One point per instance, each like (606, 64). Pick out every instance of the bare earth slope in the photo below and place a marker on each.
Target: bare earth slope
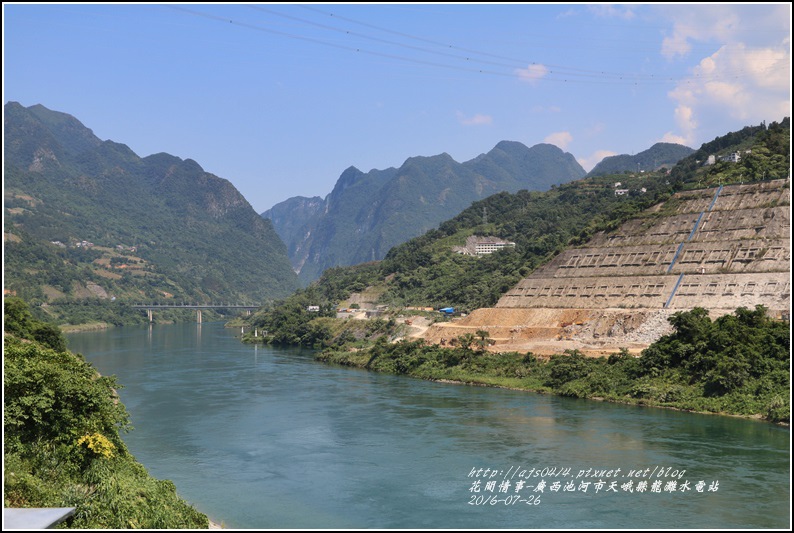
(718, 248)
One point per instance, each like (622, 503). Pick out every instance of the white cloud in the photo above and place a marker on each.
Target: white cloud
(720, 24)
(685, 119)
(702, 23)
(560, 139)
(568, 13)
(769, 68)
(743, 74)
(532, 73)
(588, 163)
(746, 84)
(476, 120)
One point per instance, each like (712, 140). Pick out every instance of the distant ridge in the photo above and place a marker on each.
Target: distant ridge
(367, 214)
(657, 156)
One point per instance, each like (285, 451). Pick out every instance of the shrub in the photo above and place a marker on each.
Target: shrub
(62, 444)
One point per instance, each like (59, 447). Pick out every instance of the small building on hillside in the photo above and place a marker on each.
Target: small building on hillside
(735, 157)
(479, 245)
(489, 245)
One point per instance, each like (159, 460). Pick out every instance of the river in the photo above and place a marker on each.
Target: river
(261, 437)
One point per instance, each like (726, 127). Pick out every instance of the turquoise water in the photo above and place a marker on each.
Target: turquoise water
(268, 438)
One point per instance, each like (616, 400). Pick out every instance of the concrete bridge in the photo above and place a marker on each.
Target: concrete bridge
(198, 307)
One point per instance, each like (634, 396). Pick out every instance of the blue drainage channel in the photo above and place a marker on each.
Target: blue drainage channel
(697, 223)
(695, 228)
(675, 257)
(680, 246)
(670, 299)
(715, 198)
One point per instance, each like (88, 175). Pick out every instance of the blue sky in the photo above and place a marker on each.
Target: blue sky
(281, 98)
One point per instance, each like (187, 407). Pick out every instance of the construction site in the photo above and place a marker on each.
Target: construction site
(720, 249)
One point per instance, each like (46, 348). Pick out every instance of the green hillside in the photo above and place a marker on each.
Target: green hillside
(90, 226)
(764, 150)
(425, 272)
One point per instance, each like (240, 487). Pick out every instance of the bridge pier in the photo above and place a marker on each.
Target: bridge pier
(198, 316)
(150, 314)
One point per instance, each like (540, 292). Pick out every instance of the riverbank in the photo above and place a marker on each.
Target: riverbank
(756, 416)
(620, 378)
(79, 328)
(73, 455)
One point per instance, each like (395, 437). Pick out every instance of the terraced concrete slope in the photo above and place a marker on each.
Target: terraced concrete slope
(716, 248)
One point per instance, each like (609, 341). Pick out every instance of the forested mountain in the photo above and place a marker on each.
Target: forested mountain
(292, 217)
(742, 359)
(367, 214)
(89, 219)
(425, 271)
(764, 151)
(657, 156)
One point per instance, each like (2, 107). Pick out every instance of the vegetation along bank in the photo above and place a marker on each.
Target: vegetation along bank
(737, 364)
(62, 440)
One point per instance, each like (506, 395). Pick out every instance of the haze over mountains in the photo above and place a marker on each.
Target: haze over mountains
(367, 214)
(89, 218)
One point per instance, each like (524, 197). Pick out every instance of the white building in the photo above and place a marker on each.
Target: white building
(480, 245)
(490, 245)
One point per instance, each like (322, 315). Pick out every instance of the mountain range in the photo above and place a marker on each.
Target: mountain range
(90, 218)
(657, 156)
(86, 218)
(366, 214)
(429, 272)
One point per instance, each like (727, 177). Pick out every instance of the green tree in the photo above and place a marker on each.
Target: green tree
(466, 340)
(62, 446)
(18, 321)
(483, 340)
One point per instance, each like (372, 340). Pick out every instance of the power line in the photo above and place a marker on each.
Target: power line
(520, 63)
(517, 63)
(545, 72)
